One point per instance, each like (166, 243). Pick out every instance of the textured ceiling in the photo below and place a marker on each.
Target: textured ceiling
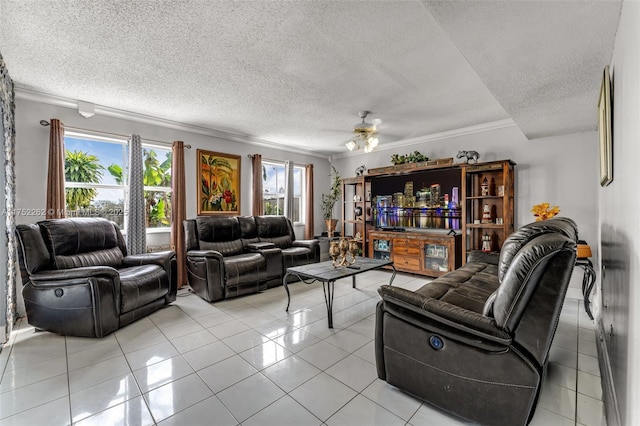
(297, 73)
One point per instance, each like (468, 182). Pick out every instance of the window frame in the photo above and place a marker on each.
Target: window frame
(303, 195)
(98, 137)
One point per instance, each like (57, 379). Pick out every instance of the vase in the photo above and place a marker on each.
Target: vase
(331, 226)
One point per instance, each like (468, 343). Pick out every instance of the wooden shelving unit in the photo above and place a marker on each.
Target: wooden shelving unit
(356, 210)
(488, 205)
(424, 247)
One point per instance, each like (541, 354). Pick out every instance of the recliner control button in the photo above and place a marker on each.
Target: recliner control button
(436, 342)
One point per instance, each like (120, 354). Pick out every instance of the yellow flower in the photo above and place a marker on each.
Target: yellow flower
(544, 211)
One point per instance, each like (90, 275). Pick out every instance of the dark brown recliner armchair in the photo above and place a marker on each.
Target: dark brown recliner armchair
(79, 281)
(475, 341)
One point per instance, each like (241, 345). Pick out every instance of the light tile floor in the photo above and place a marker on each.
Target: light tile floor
(246, 361)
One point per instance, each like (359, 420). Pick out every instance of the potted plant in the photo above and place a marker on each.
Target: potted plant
(329, 201)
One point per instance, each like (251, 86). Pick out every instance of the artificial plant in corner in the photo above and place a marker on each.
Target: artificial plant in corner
(329, 201)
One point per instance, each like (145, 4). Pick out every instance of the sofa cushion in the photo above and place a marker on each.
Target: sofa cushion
(248, 230)
(219, 233)
(522, 236)
(80, 242)
(467, 287)
(525, 271)
(108, 257)
(141, 285)
(244, 268)
(226, 248)
(275, 229)
(282, 242)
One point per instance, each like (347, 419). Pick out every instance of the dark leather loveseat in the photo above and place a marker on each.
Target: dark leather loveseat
(231, 256)
(475, 341)
(79, 281)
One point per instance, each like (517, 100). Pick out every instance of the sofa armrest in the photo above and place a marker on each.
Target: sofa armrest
(83, 301)
(205, 254)
(459, 323)
(161, 258)
(483, 257)
(58, 276)
(313, 245)
(310, 244)
(275, 263)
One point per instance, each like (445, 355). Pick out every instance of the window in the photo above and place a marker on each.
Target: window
(273, 187)
(96, 179)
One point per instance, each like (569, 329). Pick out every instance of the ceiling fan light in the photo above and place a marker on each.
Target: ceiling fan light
(365, 135)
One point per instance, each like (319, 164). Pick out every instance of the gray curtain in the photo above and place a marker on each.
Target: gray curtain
(288, 190)
(136, 225)
(7, 180)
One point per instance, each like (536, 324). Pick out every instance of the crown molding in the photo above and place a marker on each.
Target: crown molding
(478, 128)
(31, 95)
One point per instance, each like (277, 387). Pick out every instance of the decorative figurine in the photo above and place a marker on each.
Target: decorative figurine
(468, 155)
(486, 214)
(343, 252)
(360, 170)
(357, 212)
(486, 243)
(484, 187)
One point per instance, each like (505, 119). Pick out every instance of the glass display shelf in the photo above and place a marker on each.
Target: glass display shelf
(382, 249)
(481, 197)
(436, 257)
(484, 225)
(418, 217)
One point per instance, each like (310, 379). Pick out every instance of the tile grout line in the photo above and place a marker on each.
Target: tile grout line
(575, 415)
(66, 355)
(134, 379)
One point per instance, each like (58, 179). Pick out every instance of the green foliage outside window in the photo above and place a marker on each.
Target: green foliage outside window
(158, 203)
(81, 167)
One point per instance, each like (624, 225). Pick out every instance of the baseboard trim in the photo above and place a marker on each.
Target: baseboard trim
(609, 397)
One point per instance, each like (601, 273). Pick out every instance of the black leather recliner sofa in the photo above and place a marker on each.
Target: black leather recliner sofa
(475, 341)
(79, 281)
(231, 256)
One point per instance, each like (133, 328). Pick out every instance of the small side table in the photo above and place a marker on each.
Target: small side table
(589, 277)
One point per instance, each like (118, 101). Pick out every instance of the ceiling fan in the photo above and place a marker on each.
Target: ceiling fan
(365, 134)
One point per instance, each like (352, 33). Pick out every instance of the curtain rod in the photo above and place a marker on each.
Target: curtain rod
(46, 123)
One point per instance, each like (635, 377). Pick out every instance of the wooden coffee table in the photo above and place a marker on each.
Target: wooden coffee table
(327, 274)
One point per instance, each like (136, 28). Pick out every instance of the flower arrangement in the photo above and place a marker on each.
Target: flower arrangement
(544, 211)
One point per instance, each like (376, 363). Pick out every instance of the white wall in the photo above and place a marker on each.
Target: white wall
(561, 170)
(619, 208)
(32, 141)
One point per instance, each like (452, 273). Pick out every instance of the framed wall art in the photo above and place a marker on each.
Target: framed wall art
(219, 183)
(604, 129)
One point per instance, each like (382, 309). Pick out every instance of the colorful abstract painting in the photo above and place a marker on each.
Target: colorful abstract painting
(219, 180)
